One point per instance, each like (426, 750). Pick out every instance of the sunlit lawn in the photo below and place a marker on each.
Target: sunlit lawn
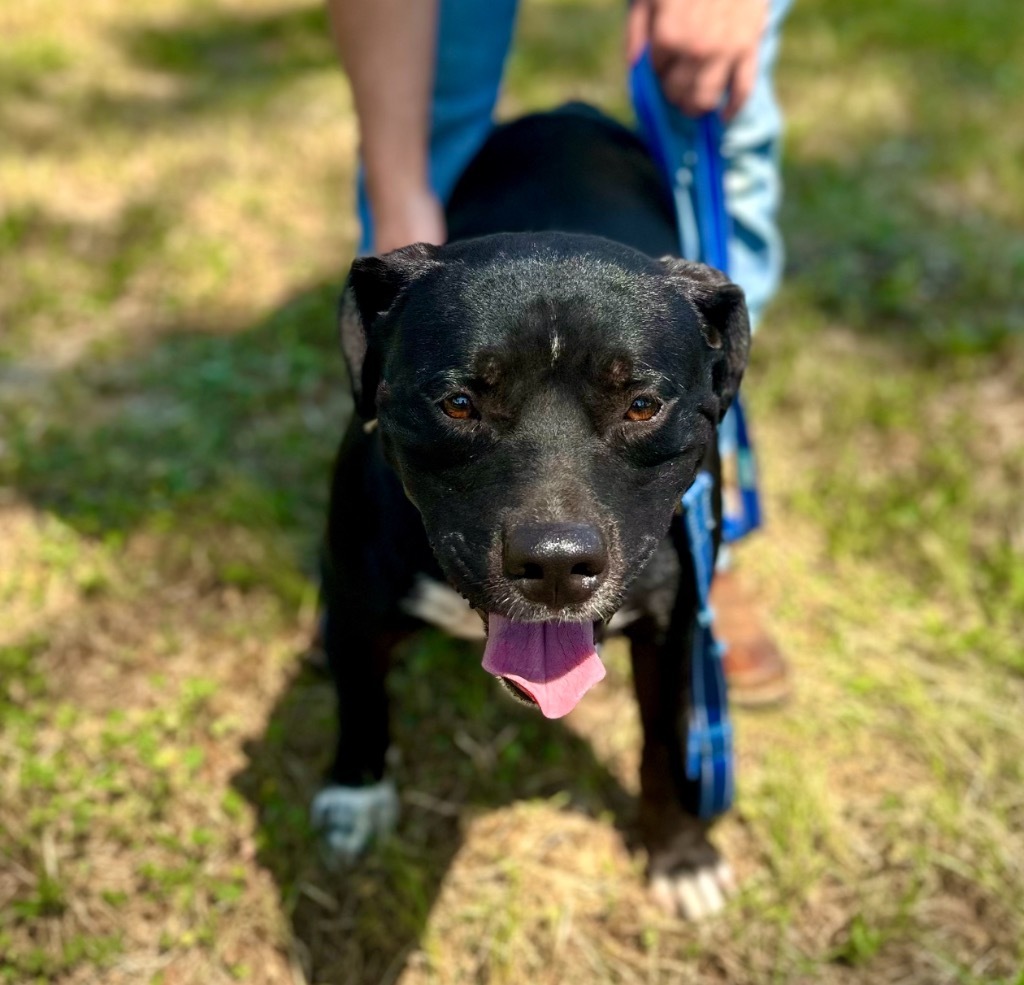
(174, 224)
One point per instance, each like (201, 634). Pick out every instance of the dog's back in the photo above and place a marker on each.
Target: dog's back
(573, 170)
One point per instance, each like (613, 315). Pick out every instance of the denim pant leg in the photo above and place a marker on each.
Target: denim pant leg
(752, 182)
(473, 39)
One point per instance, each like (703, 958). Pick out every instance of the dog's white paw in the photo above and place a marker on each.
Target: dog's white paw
(694, 894)
(349, 819)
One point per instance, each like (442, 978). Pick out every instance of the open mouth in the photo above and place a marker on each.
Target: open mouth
(548, 664)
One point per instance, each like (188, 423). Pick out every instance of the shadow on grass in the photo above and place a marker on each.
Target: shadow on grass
(225, 63)
(242, 425)
(464, 749)
(218, 48)
(217, 446)
(933, 288)
(221, 63)
(98, 262)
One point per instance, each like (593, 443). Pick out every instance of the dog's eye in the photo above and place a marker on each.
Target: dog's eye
(458, 406)
(643, 409)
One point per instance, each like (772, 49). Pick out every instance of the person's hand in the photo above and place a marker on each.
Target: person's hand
(416, 217)
(701, 49)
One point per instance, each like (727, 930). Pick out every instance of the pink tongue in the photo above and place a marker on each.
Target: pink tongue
(555, 663)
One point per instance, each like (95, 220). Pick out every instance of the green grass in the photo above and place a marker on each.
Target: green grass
(170, 397)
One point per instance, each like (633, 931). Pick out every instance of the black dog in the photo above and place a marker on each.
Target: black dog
(535, 397)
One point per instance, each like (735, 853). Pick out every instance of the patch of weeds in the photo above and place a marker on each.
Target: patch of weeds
(47, 899)
(20, 227)
(888, 513)
(861, 942)
(45, 905)
(114, 897)
(102, 263)
(410, 878)
(28, 235)
(233, 805)
(285, 822)
(793, 817)
(28, 64)
(508, 922)
(21, 681)
(135, 242)
(225, 893)
(161, 880)
(195, 698)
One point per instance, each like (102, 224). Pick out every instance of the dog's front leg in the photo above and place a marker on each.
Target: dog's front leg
(686, 874)
(358, 805)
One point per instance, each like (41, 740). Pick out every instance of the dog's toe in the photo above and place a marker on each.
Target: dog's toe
(693, 894)
(349, 819)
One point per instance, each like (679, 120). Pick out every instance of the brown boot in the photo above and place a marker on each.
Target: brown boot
(757, 673)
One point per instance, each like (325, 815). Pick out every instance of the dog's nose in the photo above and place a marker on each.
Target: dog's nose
(555, 564)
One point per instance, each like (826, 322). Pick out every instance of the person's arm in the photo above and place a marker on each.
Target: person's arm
(388, 48)
(701, 49)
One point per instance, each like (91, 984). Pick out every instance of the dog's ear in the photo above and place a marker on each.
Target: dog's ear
(725, 323)
(374, 285)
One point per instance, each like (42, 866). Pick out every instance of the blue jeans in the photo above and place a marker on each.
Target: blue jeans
(473, 41)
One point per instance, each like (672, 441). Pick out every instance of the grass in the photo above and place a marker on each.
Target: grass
(170, 394)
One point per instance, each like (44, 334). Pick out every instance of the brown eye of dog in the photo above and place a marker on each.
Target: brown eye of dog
(642, 409)
(458, 406)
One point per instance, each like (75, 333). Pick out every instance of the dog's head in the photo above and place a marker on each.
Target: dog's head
(545, 400)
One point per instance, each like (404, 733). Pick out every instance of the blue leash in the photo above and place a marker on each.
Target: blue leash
(703, 225)
(709, 755)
